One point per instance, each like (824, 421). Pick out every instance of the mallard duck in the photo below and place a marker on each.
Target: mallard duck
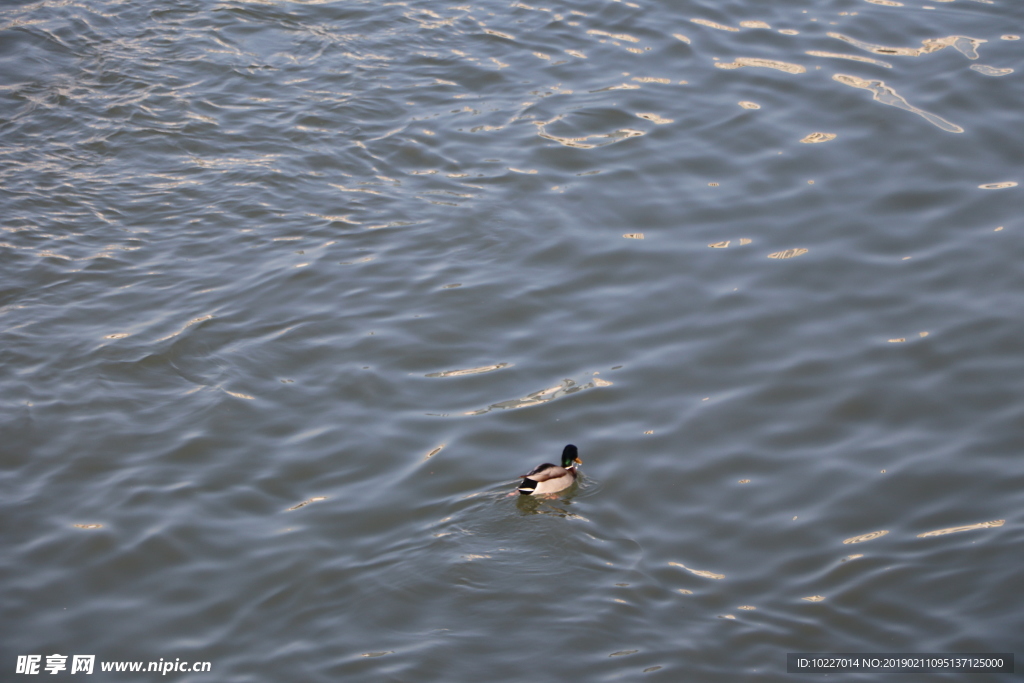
(548, 478)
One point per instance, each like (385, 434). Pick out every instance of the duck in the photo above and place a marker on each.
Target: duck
(548, 478)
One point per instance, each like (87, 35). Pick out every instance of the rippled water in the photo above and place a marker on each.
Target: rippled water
(292, 292)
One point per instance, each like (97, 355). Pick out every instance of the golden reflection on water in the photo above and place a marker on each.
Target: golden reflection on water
(698, 572)
(189, 324)
(990, 70)
(438, 22)
(764, 63)
(470, 371)
(655, 118)
(711, 24)
(617, 36)
(866, 537)
(814, 598)
(566, 387)
(899, 340)
(722, 245)
(855, 58)
(788, 253)
(958, 529)
(998, 186)
(621, 86)
(87, 526)
(634, 235)
(818, 137)
(333, 218)
(964, 44)
(581, 142)
(306, 502)
(886, 95)
(236, 394)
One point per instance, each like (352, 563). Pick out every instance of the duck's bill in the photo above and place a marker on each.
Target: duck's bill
(578, 461)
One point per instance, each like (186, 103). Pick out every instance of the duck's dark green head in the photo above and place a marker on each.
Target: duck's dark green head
(570, 457)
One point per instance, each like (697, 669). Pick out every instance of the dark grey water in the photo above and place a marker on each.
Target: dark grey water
(291, 292)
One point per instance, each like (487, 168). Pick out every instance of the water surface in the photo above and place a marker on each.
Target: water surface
(292, 292)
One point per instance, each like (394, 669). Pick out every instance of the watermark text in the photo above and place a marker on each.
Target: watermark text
(86, 664)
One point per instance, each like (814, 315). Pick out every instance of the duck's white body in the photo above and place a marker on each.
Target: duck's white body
(548, 478)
